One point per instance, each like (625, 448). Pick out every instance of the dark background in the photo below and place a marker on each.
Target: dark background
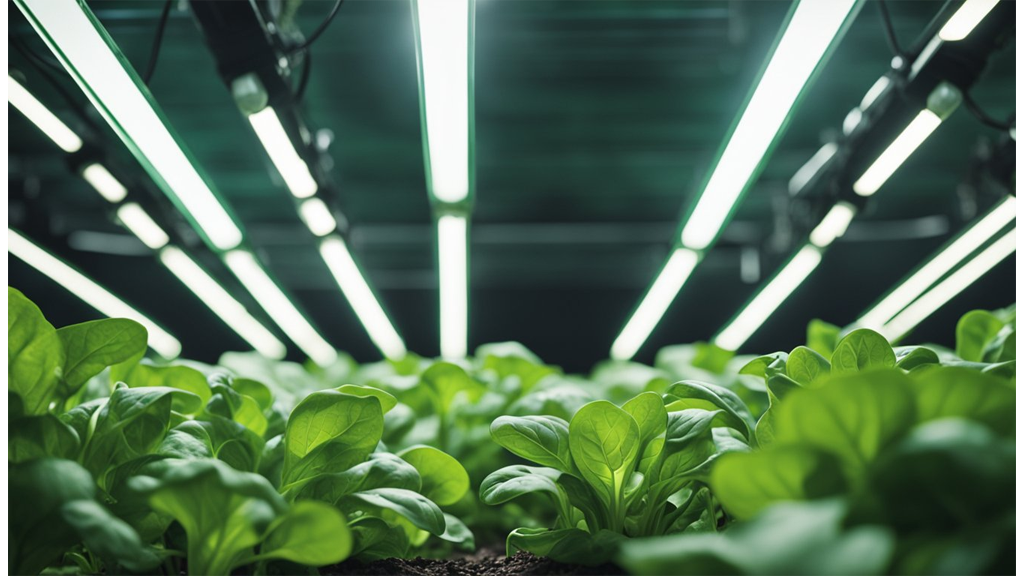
(596, 123)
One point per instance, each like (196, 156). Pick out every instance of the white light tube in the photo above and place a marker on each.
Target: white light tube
(352, 283)
(286, 159)
(317, 216)
(874, 92)
(139, 223)
(104, 183)
(33, 109)
(769, 299)
(811, 30)
(444, 56)
(279, 307)
(453, 270)
(833, 225)
(970, 14)
(811, 167)
(897, 153)
(90, 292)
(951, 256)
(655, 303)
(944, 291)
(93, 60)
(217, 299)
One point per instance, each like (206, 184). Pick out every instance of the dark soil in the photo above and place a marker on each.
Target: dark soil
(486, 562)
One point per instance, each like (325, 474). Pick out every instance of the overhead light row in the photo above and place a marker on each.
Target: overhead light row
(810, 32)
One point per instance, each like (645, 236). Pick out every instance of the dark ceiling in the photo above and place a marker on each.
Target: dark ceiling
(596, 122)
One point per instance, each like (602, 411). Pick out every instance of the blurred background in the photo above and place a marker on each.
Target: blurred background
(596, 124)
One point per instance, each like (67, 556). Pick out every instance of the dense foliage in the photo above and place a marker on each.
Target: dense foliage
(842, 456)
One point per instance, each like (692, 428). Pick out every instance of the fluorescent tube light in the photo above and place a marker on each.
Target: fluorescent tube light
(33, 109)
(104, 183)
(94, 61)
(812, 28)
(833, 225)
(138, 221)
(277, 305)
(217, 299)
(453, 271)
(317, 216)
(874, 92)
(90, 292)
(944, 291)
(970, 14)
(939, 265)
(655, 303)
(444, 71)
(897, 153)
(279, 147)
(352, 283)
(769, 299)
(812, 167)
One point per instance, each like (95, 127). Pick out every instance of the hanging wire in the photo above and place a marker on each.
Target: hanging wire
(890, 32)
(307, 63)
(154, 53)
(984, 117)
(319, 30)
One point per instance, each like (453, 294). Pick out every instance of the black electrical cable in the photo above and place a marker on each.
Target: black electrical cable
(890, 32)
(319, 29)
(307, 63)
(154, 53)
(983, 117)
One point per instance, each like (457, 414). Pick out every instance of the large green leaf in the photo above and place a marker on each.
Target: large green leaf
(568, 545)
(443, 479)
(144, 374)
(92, 346)
(35, 355)
(806, 366)
(109, 537)
(822, 337)
(691, 394)
(514, 481)
(605, 443)
(241, 408)
(943, 392)
(648, 410)
(311, 533)
(382, 470)
(861, 350)
(414, 507)
(974, 332)
(31, 437)
(540, 439)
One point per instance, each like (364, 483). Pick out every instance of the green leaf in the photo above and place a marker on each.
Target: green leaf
(648, 410)
(258, 391)
(690, 394)
(416, 508)
(711, 357)
(540, 439)
(767, 365)
(943, 392)
(514, 481)
(456, 532)
(822, 337)
(241, 408)
(447, 381)
(778, 387)
(604, 441)
(853, 416)
(387, 401)
(911, 357)
(109, 537)
(311, 533)
(328, 432)
(35, 356)
(145, 374)
(806, 366)
(568, 545)
(861, 350)
(444, 480)
(748, 482)
(92, 346)
(375, 539)
(219, 438)
(974, 332)
(31, 437)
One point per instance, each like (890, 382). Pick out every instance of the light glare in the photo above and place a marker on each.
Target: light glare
(139, 222)
(289, 164)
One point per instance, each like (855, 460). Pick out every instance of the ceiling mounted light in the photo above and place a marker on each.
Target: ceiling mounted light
(833, 225)
(221, 303)
(811, 168)
(33, 109)
(655, 303)
(139, 222)
(90, 292)
(269, 296)
(317, 216)
(286, 159)
(104, 182)
(82, 45)
(897, 153)
(754, 314)
(352, 283)
(964, 20)
(809, 34)
(453, 268)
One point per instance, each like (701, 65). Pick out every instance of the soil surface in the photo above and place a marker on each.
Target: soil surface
(486, 562)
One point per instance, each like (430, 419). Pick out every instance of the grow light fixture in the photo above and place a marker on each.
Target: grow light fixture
(289, 164)
(352, 283)
(82, 45)
(443, 33)
(897, 153)
(833, 225)
(812, 167)
(139, 222)
(810, 32)
(104, 182)
(453, 268)
(221, 303)
(938, 266)
(754, 314)
(944, 291)
(46, 121)
(963, 21)
(655, 303)
(317, 216)
(90, 292)
(244, 265)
